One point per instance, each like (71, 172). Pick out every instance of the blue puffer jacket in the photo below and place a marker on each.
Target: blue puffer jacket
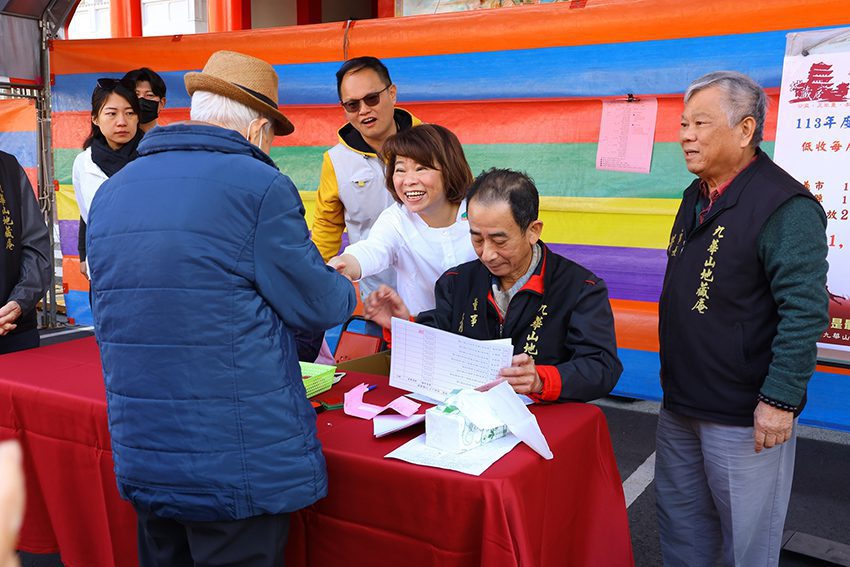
(202, 265)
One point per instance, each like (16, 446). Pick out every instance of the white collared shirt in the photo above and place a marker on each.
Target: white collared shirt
(420, 254)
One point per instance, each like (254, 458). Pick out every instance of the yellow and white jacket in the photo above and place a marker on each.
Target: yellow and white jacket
(352, 194)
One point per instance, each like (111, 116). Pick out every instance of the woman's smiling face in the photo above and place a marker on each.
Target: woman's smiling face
(419, 187)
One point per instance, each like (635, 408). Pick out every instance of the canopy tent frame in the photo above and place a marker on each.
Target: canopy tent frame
(51, 20)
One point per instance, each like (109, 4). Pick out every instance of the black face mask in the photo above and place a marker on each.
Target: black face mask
(150, 110)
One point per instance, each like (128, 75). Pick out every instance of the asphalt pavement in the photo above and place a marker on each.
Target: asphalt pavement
(820, 497)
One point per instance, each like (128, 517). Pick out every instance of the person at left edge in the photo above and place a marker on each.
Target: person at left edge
(201, 268)
(25, 258)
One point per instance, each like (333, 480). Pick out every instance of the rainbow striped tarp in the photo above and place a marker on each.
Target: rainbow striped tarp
(18, 135)
(522, 88)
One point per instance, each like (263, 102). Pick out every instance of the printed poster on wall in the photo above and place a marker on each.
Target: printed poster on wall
(813, 145)
(627, 135)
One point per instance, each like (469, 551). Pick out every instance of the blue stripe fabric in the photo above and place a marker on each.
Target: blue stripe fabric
(827, 393)
(77, 304)
(72, 93)
(22, 145)
(640, 375)
(650, 67)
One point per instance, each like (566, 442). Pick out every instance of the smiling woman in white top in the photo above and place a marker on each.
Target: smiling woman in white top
(425, 232)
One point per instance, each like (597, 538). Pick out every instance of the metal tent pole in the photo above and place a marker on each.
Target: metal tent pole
(46, 192)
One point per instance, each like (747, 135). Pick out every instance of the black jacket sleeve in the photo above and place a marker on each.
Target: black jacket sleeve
(36, 256)
(81, 240)
(594, 368)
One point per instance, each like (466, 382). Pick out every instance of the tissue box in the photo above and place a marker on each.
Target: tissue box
(446, 429)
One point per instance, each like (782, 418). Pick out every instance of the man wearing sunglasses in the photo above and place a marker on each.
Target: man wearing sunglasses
(352, 190)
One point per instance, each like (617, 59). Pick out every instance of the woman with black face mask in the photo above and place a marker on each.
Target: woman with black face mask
(112, 143)
(150, 88)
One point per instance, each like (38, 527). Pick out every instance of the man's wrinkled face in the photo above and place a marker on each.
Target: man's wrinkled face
(501, 245)
(711, 147)
(373, 122)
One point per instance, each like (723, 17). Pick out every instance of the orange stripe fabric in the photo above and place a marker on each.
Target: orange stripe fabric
(636, 324)
(485, 122)
(601, 21)
(832, 369)
(71, 275)
(17, 115)
(32, 176)
(296, 44)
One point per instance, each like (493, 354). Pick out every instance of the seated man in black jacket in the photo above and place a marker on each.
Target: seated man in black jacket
(555, 311)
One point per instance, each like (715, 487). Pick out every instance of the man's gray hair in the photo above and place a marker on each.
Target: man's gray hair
(743, 97)
(225, 112)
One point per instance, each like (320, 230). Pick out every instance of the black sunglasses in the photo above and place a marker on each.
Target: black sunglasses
(110, 84)
(370, 99)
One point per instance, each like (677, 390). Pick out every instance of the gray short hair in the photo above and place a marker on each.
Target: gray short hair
(744, 97)
(225, 112)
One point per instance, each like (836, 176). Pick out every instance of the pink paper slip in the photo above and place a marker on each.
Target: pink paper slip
(626, 135)
(355, 406)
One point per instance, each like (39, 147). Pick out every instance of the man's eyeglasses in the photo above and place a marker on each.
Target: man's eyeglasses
(109, 84)
(371, 99)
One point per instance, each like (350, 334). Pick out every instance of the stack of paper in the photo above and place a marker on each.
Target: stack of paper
(434, 363)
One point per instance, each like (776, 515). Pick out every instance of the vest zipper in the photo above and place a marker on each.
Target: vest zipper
(492, 302)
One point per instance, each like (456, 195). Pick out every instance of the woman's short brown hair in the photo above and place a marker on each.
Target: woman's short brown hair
(435, 147)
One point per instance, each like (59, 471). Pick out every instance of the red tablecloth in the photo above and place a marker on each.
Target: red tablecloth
(522, 511)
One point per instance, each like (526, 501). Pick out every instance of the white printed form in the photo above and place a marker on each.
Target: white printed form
(432, 362)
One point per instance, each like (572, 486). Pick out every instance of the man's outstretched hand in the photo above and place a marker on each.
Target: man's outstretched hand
(384, 304)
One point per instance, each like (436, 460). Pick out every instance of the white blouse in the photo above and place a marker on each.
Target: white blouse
(420, 254)
(87, 178)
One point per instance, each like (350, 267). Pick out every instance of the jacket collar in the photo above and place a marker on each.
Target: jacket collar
(353, 140)
(200, 136)
(730, 195)
(535, 283)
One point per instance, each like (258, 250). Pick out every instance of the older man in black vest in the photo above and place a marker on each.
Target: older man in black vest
(743, 304)
(25, 258)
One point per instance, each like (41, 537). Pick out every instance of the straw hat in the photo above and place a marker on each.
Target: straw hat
(245, 79)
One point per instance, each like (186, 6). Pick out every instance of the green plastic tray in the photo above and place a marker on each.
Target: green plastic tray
(319, 377)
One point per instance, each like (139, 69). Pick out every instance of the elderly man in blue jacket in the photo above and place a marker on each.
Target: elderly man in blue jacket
(202, 268)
